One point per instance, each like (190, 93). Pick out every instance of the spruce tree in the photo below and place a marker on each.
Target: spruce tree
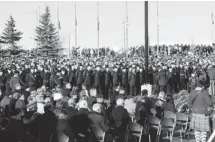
(47, 35)
(10, 35)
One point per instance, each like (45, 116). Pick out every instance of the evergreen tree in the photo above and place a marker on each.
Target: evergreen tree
(11, 35)
(47, 35)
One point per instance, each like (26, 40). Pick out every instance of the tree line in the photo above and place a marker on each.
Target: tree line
(47, 36)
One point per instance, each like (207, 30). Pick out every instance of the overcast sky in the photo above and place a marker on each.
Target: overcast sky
(180, 22)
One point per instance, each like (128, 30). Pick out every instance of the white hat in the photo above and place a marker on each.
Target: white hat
(57, 96)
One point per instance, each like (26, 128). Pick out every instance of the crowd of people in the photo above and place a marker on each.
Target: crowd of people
(139, 50)
(50, 99)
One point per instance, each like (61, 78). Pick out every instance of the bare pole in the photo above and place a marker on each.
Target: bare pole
(146, 41)
(75, 28)
(212, 30)
(69, 45)
(126, 27)
(98, 28)
(157, 30)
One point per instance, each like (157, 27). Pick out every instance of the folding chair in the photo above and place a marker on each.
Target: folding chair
(168, 125)
(97, 135)
(154, 123)
(181, 124)
(169, 114)
(135, 130)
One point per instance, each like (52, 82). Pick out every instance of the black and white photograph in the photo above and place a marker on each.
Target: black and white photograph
(107, 71)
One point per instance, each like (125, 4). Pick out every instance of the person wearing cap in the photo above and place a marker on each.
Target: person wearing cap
(108, 82)
(200, 104)
(132, 82)
(88, 77)
(14, 81)
(80, 76)
(92, 98)
(46, 77)
(2, 82)
(58, 80)
(72, 76)
(125, 80)
(30, 78)
(97, 79)
(115, 77)
(162, 79)
(65, 77)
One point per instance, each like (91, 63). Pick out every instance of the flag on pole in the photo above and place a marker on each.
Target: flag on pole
(98, 25)
(212, 18)
(59, 27)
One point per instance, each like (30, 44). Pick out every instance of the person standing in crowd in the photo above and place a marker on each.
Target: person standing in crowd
(211, 73)
(115, 77)
(88, 77)
(72, 77)
(132, 82)
(46, 77)
(97, 79)
(79, 76)
(162, 80)
(9, 75)
(125, 80)
(2, 82)
(200, 104)
(30, 78)
(108, 83)
(14, 81)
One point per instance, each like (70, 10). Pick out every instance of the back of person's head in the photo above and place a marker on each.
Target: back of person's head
(60, 105)
(97, 108)
(93, 92)
(144, 92)
(100, 98)
(17, 86)
(120, 102)
(161, 95)
(169, 98)
(72, 102)
(16, 95)
(83, 104)
(68, 86)
(48, 100)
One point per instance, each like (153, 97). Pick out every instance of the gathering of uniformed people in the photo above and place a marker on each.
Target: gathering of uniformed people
(54, 100)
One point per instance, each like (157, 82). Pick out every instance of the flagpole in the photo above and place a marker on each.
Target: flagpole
(98, 27)
(69, 45)
(75, 28)
(212, 36)
(157, 30)
(146, 41)
(124, 35)
(126, 27)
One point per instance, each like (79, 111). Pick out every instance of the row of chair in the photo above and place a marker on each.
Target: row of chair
(171, 123)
